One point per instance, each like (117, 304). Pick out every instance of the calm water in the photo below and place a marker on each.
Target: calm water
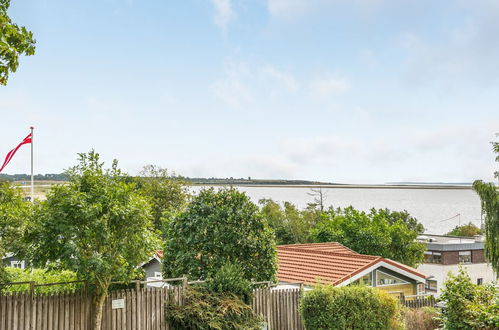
(429, 206)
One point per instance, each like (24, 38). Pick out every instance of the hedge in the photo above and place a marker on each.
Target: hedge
(352, 307)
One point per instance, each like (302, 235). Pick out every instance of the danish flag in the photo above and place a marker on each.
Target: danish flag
(11, 153)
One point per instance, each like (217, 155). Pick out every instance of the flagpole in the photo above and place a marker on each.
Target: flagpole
(32, 180)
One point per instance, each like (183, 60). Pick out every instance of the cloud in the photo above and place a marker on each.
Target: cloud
(224, 13)
(281, 77)
(467, 52)
(288, 8)
(241, 83)
(459, 153)
(328, 87)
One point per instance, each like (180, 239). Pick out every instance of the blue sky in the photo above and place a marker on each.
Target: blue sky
(360, 91)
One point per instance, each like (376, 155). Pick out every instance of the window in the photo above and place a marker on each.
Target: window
(158, 275)
(365, 280)
(385, 279)
(479, 281)
(431, 285)
(17, 264)
(432, 257)
(464, 257)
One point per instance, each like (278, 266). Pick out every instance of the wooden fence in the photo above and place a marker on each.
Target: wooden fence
(418, 301)
(142, 309)
(279, 308)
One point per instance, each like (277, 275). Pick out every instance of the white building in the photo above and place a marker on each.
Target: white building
(445, 253)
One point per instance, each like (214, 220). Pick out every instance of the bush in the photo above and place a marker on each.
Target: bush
(469, 306)
(230, 280)
(352, 307)
(425, 318)
(220, 303)
(41, 276)
(203, 309)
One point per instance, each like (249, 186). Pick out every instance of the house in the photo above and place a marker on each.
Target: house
(333, 263)
(444, 254)
(152, 267)
(11, 260)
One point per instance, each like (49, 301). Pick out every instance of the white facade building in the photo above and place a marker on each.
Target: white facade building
(446, 253)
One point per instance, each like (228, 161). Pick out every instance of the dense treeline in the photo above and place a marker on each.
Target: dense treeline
(146, 173)
(37, 177)
(390, 234)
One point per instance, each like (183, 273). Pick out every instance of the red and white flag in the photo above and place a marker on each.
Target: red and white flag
(11, 153)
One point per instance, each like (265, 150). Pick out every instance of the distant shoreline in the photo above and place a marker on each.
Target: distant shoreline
(340, 186)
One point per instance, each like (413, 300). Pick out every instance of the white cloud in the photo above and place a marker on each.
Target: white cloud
(224, 13)
(280, 77)
(328, 87)
(243, 83)
(467, 52)
(287, 8)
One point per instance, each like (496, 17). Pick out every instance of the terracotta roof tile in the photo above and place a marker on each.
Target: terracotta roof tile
(325, 262)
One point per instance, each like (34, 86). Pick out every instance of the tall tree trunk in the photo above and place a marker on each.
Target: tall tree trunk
(98, 301)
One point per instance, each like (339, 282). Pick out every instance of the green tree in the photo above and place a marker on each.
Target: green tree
(97, 225)
(489, 195)
(168, 194)
(14, 211)
(14, 41)
(290, 224)
(380, 232)
(468, 230)
(469, 306)
(219, 227)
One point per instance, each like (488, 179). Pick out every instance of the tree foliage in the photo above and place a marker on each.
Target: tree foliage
(41, 276)
(290, 225)
(380, 232)
(350, 307)
(219, 227)
(467, 230)
(96, 225)
(14, 213)
(14, 41)
(167, 193)
(469, 306)
(489, 195)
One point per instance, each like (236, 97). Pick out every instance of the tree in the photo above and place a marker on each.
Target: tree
(219, 227)
(96, 225)
(167, 193)
(489, 195)
(290, 225)
(468, 305)
(14, 41)
(14, 211)
(319, 197)
(380, 232)
(468, 230)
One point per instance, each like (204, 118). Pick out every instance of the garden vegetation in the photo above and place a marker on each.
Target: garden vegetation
(351, 307)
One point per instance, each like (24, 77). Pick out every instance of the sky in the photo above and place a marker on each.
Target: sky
(348, 91)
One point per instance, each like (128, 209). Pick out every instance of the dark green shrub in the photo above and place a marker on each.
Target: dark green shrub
(230, 279)
(352, 307)
(203, 309)
(469, 306)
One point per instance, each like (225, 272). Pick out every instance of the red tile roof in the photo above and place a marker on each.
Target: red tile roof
(325, 262)
(159, 253)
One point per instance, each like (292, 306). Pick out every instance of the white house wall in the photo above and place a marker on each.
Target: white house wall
(475, 271)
